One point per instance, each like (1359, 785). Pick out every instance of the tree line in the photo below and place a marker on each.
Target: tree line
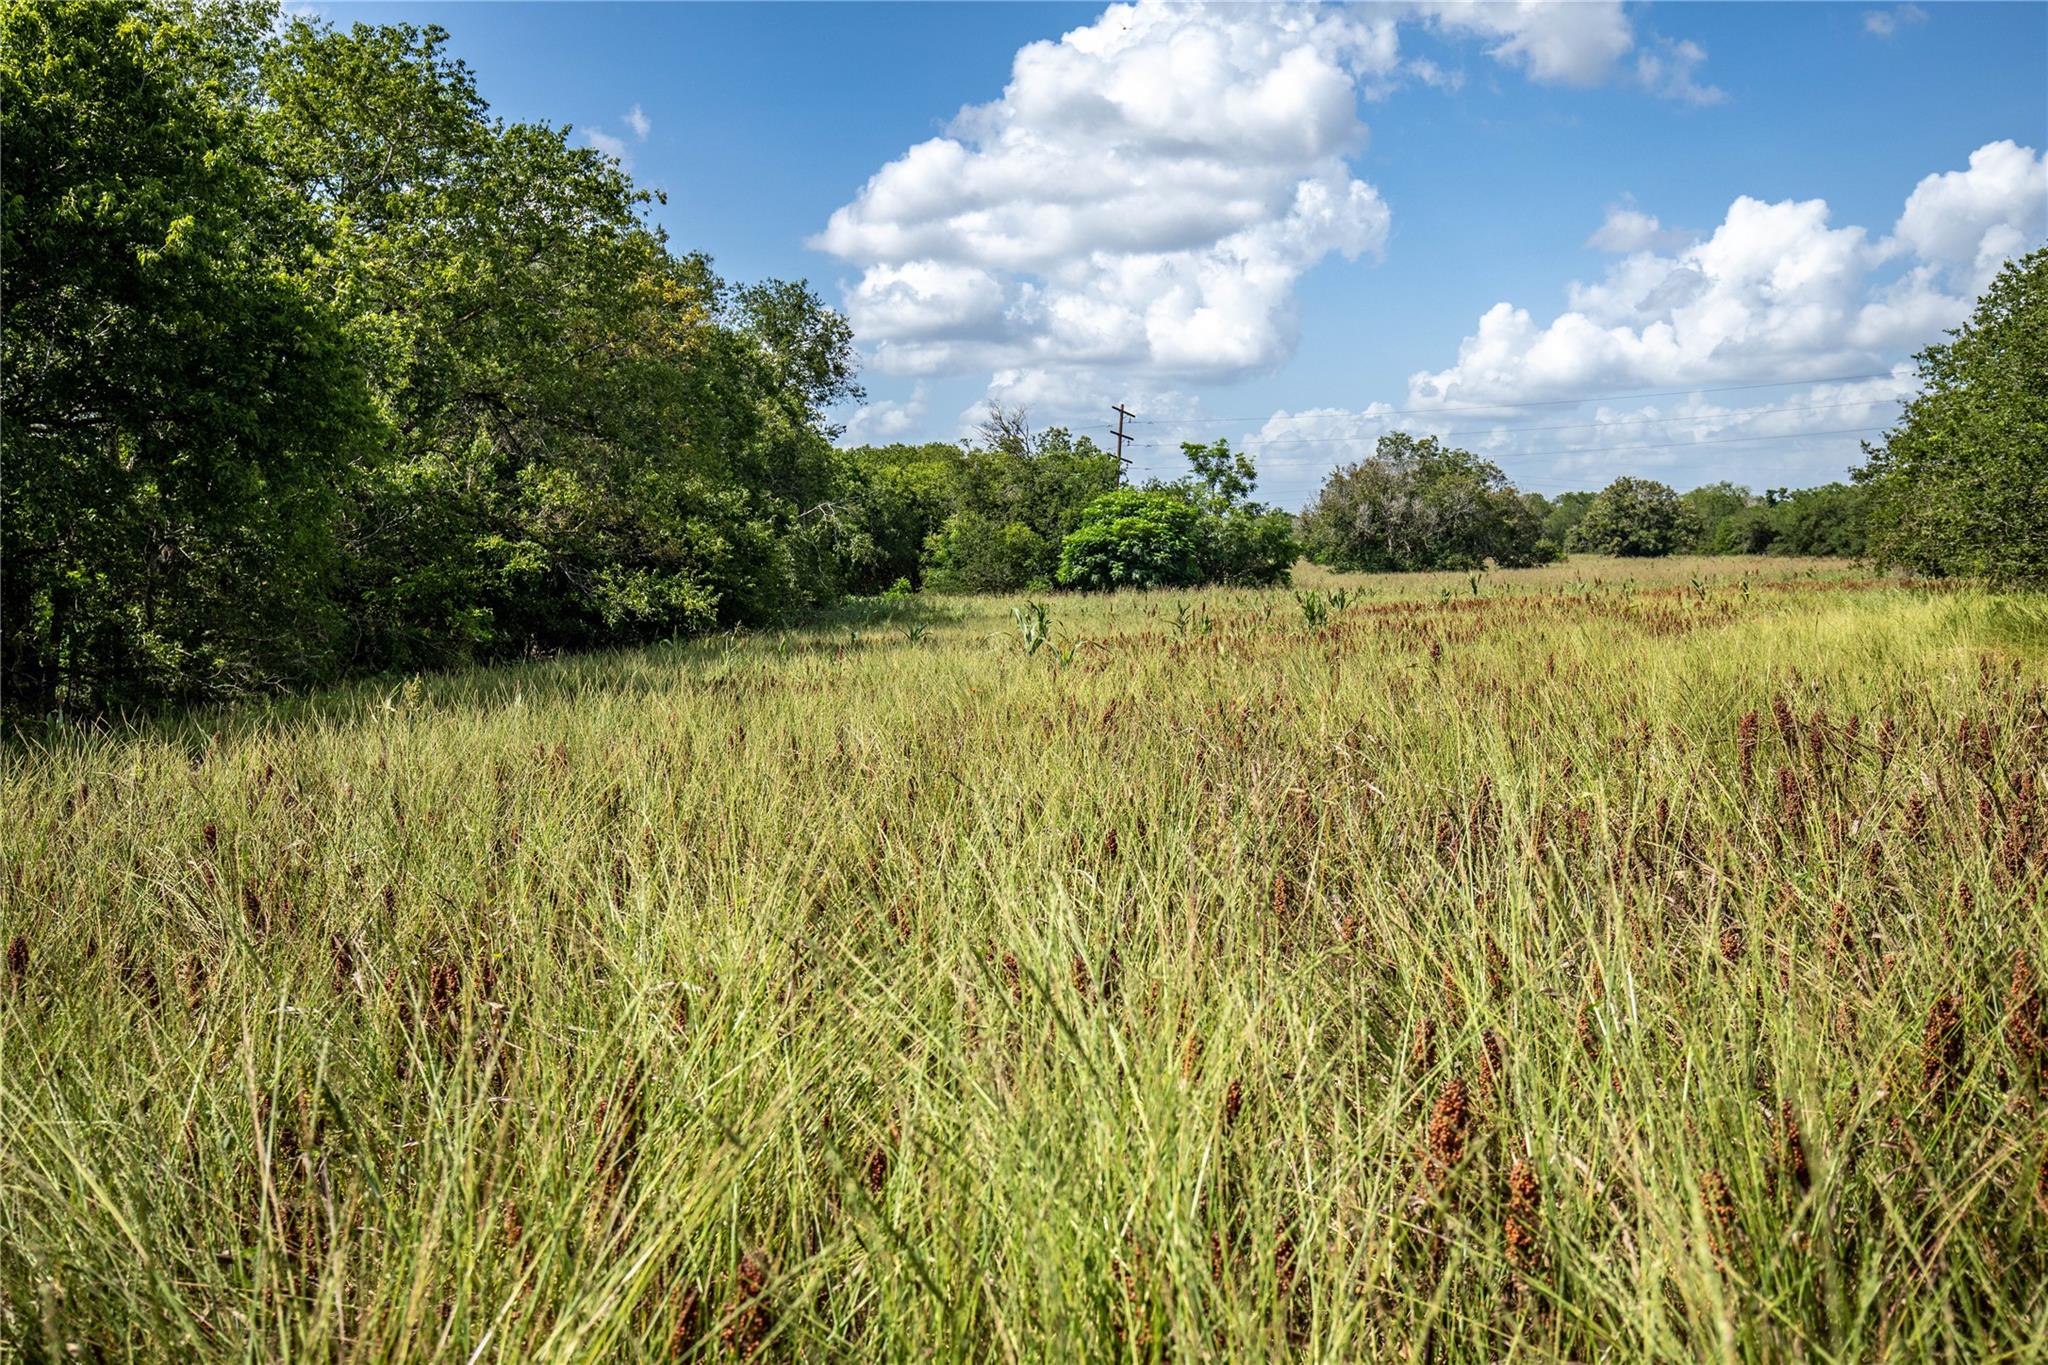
(1417, 504)
(314, 367)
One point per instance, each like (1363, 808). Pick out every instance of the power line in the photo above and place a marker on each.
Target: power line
(1668, 445)
(1267, 441)
(1196, 419)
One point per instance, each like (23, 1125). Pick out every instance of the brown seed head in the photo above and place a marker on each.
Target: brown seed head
(2023, 1032)
(1450, 1128)
(747, 1317)
(1422, 1052)
(17, 959)
(1525, 1203)
(1792, 1149)
(1719, 1207)
(1941, 1047)
(1233, 1101)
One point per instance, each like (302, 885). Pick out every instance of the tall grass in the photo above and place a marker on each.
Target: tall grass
(1594, 962)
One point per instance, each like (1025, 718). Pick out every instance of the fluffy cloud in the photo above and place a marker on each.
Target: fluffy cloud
(1145, 194)
(611, 146)
(1628, 229)
(1757, 319)
(1776, 290)
(1666, 68)
(1149, 190)
(888, 420)
(636, 119)
(1765, 437)
(1885, 22)
(1568, 44)
(1980, 217)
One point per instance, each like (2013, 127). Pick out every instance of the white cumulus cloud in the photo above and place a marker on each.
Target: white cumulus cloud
(1776, 290)
(1567, 44)
(1754, 324)
(636, 119)
(1979, 217)
(1146, 193)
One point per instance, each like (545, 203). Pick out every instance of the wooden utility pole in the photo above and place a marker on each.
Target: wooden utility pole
(1121, 436)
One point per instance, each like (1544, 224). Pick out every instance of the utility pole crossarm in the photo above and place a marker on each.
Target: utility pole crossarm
(1122, 414)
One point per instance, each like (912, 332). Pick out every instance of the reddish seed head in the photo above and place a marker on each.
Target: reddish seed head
(1422, 1053)
(1233, 1101)
(1788, 728)
(1525, 1203)
(878, 1169)
(1283, 897)
(1719, 1207)
(747, 1317)
(444, 990)
(17, 958)
(1450, 1128)
(1794, 1151)
(1941, 1047)
(2023, 1032)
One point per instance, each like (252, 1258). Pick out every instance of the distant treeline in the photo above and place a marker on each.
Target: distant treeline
(1418, 504)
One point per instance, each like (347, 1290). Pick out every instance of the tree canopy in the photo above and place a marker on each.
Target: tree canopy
(1635, 518)
(1420, 504)
(1960, 486)
(313, 365)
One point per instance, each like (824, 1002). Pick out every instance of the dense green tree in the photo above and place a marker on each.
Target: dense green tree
(1711, 507)
(889, 501)
(179, 404)
(1243, 542)
(1634, 518)
(1960, 486)
(1419, 504)
(588, 439)
(1135, 538)
(1020, 494)
(1559, 515)
(1827, 520)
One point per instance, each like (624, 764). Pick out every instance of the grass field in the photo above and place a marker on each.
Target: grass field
(1607, 961)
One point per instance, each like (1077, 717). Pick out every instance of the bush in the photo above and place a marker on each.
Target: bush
(1251, 548)
(1419, 504)
(1135, 539)
(1635, 518)
(975, 554)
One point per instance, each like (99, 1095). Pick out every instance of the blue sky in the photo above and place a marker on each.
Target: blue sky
(1299, 227)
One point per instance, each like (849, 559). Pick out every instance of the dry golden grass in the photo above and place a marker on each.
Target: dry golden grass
(1604, 961)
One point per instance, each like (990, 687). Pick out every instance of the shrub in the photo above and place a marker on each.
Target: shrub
(1419, 504)
(1135, 539)
(1634, 518)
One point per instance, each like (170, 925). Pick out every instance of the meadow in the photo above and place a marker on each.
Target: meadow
(1607, 961)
